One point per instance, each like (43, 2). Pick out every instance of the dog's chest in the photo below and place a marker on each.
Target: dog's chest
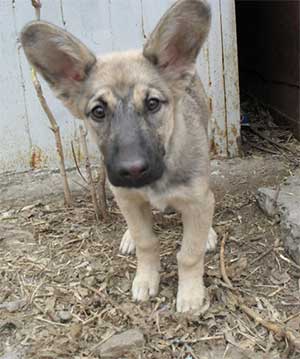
(158, 201)
(165, 196)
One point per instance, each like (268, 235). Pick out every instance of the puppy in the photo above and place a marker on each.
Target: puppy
(148, 113)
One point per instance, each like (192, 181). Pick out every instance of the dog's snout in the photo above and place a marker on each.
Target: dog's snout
(134, 169)
(132, 157)
(134, 172)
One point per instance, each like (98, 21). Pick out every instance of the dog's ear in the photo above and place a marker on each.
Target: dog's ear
(58, 56)
(177, 39)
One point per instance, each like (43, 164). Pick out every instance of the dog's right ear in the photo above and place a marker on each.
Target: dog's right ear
(177, 39)
(59, 57)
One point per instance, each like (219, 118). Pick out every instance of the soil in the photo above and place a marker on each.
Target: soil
(65, 289)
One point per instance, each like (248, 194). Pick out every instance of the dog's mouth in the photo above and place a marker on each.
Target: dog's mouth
(135, 176)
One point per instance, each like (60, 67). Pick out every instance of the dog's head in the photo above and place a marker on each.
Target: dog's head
(128, 99)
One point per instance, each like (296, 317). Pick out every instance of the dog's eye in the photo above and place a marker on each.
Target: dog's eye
(99, 112)
(153, 104)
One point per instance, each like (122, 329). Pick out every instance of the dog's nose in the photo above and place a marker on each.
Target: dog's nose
(134, 170)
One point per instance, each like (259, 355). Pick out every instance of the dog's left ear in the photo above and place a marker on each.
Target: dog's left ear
(177, 39)
(63, 60)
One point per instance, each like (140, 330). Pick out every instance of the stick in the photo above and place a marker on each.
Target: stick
(56, 131)
(89, 172)
(37, 6)
(54, 127)
(278, 329)
(76, 162)
(274, 143)
(101, 190)
(222, 262)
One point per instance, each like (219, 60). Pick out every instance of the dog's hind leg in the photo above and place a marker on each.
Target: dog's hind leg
(137, 213)
(197, 220)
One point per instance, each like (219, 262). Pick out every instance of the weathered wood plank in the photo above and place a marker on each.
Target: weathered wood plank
(15, 135)
(231, 80)
(216, 88)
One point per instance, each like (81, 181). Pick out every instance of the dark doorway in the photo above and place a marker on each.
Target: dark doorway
(268, 45)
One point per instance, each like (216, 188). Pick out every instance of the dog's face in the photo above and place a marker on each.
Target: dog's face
(131, 117)
(128, 99)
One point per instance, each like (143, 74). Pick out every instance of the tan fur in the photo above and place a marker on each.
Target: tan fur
(164, 70)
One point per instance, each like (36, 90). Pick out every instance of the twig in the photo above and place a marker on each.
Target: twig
(289, 261)
(110, 335)
(222, 262)
(276, 328)
(214, 337)
(37, 5)
(277, 240)
(50, 322)
(264, 149)
(76, 163)
(89, 173)
(274, 143)
(262, 255)
(279, 330)
(101, 190)
(292, 317)
(54, 127)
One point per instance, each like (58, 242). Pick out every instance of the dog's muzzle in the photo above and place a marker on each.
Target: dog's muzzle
(134, 173)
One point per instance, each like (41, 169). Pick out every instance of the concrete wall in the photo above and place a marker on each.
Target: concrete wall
(269, 56)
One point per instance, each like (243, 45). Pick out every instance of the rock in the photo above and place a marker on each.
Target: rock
(13, 306)
(232, 352)
(64, 316)
(267, 200)
(286, 204)
(17, 353)
(12, 355)
(120, 344)
(237, 353)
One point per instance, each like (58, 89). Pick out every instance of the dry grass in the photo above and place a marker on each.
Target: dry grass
(74, 287)
(65, 289)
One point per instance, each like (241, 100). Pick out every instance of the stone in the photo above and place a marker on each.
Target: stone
(231, 352)
(13, 306)
(267, 200)
(285, 204)
(120, 344)
(16, 353)
(64, 316)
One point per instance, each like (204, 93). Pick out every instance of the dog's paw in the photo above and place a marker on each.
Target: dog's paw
(145, 285)
(191, 298)
(212, 240)
(127, 245)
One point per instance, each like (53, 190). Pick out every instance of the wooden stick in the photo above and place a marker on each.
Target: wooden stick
(101, 190)
(76, 163)
(276, 328)
(56, 131)
(54, 127)
(279, 330)
(89, 172)
(37, 6)
(274, 143)
(222, 261)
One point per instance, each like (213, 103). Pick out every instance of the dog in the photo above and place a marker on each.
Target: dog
(148, 113)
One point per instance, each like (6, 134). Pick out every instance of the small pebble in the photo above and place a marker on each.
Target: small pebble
(64, 316)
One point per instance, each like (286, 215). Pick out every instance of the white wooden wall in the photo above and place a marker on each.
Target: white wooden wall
(104, 25)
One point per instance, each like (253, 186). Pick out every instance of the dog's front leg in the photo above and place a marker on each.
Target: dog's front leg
(137, 213)
(197, 220)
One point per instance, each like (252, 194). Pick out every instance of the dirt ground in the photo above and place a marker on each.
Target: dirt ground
(65, 289)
